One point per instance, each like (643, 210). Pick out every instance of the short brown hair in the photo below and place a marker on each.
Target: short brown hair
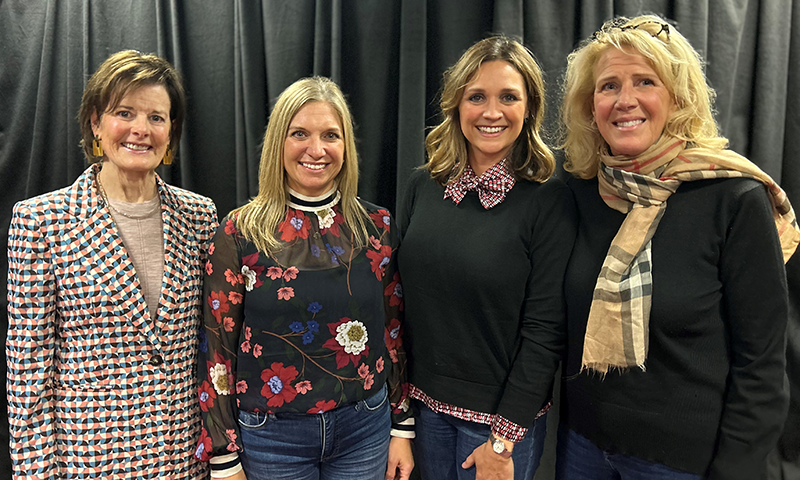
(120, 73)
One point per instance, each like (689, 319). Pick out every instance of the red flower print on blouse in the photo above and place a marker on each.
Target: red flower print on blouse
(229, 324)
(230, 227)
(381, 219)
(393, 337)
(296, 224)
(209, 267)
(290, 274)
(207, 396)
(278, 387)
(374, 242)
(241, 386)
(338, 219)
(379, 260)
(395, 291)
(379, 365)
(231, 434)
(236, 298)
(368, 381)
(274, 273)
(203, 450)
(211, 249)
(285, 293)
(322, 406)
(218, 302)
(232, 278)
(402, 405)
(303, 387)
(349, 341)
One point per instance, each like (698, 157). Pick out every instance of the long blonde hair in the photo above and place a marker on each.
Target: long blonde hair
(530, 158)
(678, 66)
(258, 220)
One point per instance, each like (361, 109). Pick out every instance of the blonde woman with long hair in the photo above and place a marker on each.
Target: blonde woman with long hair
(676, 290)
(302, 369)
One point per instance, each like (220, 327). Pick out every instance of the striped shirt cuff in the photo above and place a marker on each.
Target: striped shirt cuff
(508, 430)
(404, 429)
(225, 465)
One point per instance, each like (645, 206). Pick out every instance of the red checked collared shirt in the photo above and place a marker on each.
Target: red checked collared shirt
(492, 186)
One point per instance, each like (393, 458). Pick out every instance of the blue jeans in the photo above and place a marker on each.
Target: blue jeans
(443, 442)
(577, 458)
(348, 442)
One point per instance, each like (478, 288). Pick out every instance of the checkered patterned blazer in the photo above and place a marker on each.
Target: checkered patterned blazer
(96, 387)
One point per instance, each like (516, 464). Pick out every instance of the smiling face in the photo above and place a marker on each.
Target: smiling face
(313, 152)
(135, 134)
(492, 112)
(631, 104)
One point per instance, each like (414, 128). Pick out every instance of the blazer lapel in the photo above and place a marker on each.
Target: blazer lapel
(110, 260)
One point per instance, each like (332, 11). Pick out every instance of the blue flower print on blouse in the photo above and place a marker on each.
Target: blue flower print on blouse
(296, 327)
(314, 307)
(313, 326)
(308, 337)
(315, 250)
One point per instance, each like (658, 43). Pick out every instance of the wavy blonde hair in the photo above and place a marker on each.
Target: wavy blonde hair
(530, 157)
(258, 220)
(678, 66)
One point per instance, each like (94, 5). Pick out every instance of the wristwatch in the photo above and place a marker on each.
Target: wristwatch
(499, 447)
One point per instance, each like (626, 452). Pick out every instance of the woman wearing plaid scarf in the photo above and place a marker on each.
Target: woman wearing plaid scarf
(676, 290)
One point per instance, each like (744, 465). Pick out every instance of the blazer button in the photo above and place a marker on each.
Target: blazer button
(156, 360)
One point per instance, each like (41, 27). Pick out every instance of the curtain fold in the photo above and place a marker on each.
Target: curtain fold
(388, 56)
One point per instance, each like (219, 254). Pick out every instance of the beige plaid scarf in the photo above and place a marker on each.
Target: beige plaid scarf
(617, 331)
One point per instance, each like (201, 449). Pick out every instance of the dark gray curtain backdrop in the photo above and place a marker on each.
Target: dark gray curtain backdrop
(236, 56)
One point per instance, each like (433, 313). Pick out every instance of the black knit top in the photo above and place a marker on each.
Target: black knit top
(713, 398)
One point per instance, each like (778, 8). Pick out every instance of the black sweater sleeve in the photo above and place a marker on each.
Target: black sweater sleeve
(755, 303)
(543, 329)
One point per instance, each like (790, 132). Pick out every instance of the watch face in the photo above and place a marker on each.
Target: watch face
(498, 446)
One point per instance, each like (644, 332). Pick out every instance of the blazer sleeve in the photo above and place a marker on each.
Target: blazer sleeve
(755, 302)
(30, 346)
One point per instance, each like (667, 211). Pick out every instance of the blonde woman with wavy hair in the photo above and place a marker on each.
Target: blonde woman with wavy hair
(301, 289)
(486, 236)
(676, 289)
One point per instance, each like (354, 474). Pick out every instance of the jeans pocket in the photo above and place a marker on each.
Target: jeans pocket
(376, 401)
(252, 420)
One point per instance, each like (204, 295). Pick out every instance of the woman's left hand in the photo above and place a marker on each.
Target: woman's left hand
(401, 461)
(489, 465)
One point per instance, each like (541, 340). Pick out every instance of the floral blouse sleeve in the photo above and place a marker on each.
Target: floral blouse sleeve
(225, 284)
(386, 245)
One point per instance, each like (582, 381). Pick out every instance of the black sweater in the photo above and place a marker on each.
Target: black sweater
(713, 398)
(483, 294)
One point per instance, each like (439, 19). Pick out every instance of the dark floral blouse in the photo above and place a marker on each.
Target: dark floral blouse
(309, 328)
